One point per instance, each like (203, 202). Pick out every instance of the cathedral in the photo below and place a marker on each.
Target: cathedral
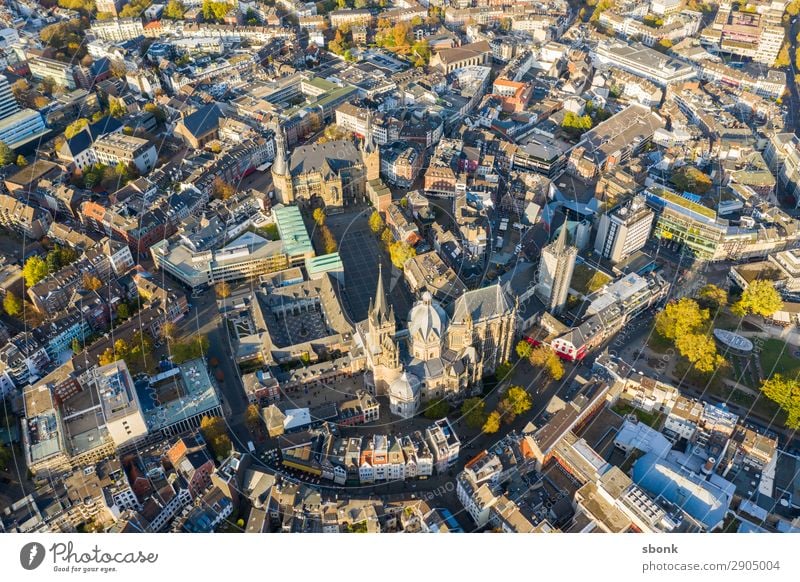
(442, 353)
(334, 173)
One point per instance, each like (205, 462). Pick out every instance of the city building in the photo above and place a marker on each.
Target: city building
(556, 266)
(118, 148)
(624, 230)
(118, 401)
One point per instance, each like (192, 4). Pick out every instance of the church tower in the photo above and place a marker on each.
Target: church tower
(371, 153)
(281, 176)
(382, 344)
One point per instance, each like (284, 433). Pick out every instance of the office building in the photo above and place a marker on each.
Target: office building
(624, 230)
(555, 272)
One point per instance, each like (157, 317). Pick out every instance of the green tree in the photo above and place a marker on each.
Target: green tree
(524, 350)
(6, 154)
(760, 298)
(174, 10)
(76, 346)
(376, 223)
(400, 252)
(713, 296)
(492, 424)
(319, 216)
(681, 318)
(35, 270)
(503, 370)
(437, 409)
(785, 392)
(12, 304)
(473, 412)
(123, 311)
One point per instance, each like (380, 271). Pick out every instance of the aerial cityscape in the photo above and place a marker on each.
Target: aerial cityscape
(424, 266)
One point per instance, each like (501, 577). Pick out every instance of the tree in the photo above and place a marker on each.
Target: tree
(329, 244)
(690, 179)
(76, 346)
(215, 10)
(6, 154)
(785, 392)
(492, 424)
(338, 45)
(576, 124)
(116, 107)
(192, 349)
(782, 60)
(35, 270)
(169, 330)
(700, 350)
(546, 358)
(681, 318)
(760, 298)
(376, 223)
(222, 290)
(174, 10)
(123, 311)
(437, 409)
(524, 350)
(516, 401)
(387, 238)
(252, 417)
(319, 216)
(400, 252)
(216, 435)
(663, 45)
(12, 304)
(21, 161)
(503, 370)
(473, 412)
(75, 127)
(713, 296)
(157, 112)
(221, 189)
(91, 283)
(107, 357)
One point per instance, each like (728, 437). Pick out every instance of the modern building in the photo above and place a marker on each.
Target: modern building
(119, 401)
(752, 34)
(783, 157)
(115, 148)
(43, 68)
(624, 230)
(642, 61)
(118, 29)
(22, 127)
(556, 266)
(8, 104)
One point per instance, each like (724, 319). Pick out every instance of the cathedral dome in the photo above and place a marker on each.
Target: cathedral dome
(428, 318)
(405, 388)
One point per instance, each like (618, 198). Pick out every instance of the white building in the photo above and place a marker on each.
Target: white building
(624, 230)
(118, 402)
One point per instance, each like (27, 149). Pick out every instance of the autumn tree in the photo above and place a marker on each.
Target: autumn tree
(21, 161)
(6, 154)
(760, 298)
(524, 350)
(75, 127)
(713, 296)
(252, 417)
(546, 358)
(700, 350)
(35, 270)
(785, 392)
(681, 318)
(216, 435)
(319, 216)
(492, 424)
(169, 330)
(691, 179)
(12, 304)
(221, 189)
(515, 402)
(400, 252)
(473, 412)
(329, 244)
(376, 223)
(222, 290)
(174, 10)
(91, 282)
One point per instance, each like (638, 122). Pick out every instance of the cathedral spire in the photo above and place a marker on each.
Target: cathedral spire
(561, 243)
(381, 309)
(279, 164)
